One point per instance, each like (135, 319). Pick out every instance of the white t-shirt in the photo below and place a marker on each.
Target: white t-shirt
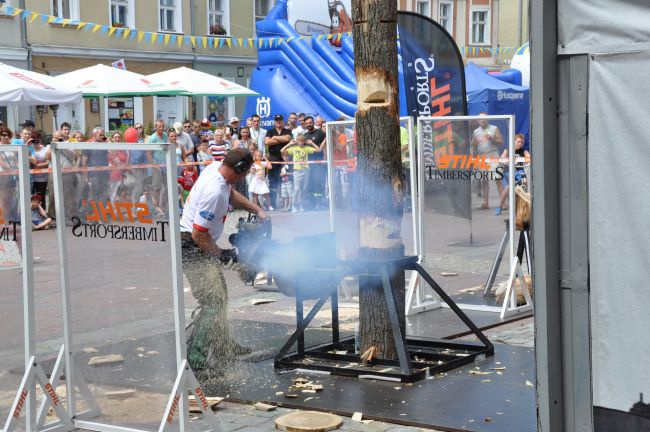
(206, 207)
(259, 137)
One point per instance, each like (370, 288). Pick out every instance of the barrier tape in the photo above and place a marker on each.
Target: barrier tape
(338, 163)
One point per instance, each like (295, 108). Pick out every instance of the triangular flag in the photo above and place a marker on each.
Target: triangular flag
(167, 37)
(140, 36)
(179, 41)
(193, 40)
(152, 37)
(204, 42)
(271, 42)
(25, 14)
(126, 34)
(66, 22)
(104, 29)
(338, 37)
(173, 39)
(44, 19)
(34, 16)
(221, 41)
(329, 36)
(229, 42)
(111, 31)
(79, 26)
(119, 33)
(290, 39)
(260, 42)
(237, 42)
(211, 42)
(96, 27)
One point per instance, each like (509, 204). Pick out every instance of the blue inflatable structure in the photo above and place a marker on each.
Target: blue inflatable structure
(304, 75)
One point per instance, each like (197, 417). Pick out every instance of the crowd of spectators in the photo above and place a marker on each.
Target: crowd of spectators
(288, 173)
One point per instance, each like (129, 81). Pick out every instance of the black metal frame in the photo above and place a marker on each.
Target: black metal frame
(416, 356)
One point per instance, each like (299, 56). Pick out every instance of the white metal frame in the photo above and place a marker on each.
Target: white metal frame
(414, 299)
(74, 9)
(508, 308)
(25, 396)
(178, 401)
(178, 16)
(450, 17)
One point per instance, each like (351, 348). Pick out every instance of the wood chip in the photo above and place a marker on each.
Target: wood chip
(90, 350)
(309, 391)
(475, 372)
(291, 395)
(357, 416)
(120, 394)
(502, 368)
(152, 353)
(300, 380)
(106, 360)
(279, 393)
(471, 290)
(529, 384)
(264, 407)
(369, 354)
(141, 349)
(448, 274)
(317, 387)
(212, 401)
(260, 301)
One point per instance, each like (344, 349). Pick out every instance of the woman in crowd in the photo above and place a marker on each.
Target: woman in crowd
(39, 161)
(117, 160)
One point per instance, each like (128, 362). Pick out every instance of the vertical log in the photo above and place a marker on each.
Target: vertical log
(378, 187)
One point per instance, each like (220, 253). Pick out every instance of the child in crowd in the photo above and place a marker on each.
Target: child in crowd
(203, 156)
(147, 198)
(186, 181)
(300, 149)
(286, 186)
(40, 221)
(258, 185)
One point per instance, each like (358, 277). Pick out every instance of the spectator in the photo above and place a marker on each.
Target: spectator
(39, 162)
(70, 181)
(318, 176)
(258, 134)
(286, 184)
(487, 142)
(245, 139)
(320, 123)
(184, 140)
(158, 158)
(249, 122)
(300, 127)
(117, 160)
(520, 174)
(180, 150)
(292, 123)
(258, 185)
(232, 130)
(40, 219)
(300, 149)
(189, 176)
(27, 127)
(203, 156)
(219, 147)
(77, 136)
(276, 138)
(65, 131)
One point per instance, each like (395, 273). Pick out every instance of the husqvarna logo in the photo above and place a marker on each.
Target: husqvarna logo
(263, 107)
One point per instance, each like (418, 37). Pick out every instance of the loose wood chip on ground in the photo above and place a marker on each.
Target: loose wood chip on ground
(120, 394)
(259, 301)
(475, 372)
(447, 274)
(106, 360)
(264, 407)
(90, 350)
(369, 354)
(357, 416)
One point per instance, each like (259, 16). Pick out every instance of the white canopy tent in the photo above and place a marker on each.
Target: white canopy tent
(22, 87)
(183, 81)
(102, 80)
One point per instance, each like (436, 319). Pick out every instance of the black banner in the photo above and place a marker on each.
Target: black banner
(434, 83)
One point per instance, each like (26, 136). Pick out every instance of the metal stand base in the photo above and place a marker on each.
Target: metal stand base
(510, 306)
(415, 357)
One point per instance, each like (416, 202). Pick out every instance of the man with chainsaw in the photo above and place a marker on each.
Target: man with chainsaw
(209, 341)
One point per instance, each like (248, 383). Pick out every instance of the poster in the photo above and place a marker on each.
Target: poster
(320, 16)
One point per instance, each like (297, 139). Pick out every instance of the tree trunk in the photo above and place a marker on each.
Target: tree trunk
(378, 185)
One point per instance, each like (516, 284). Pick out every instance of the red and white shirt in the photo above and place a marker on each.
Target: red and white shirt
(206, 207)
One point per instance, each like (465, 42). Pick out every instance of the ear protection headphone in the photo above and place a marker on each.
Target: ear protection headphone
(244, 163)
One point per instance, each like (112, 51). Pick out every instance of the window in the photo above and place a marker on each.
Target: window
(122, 13)
(170, 16)
(480, 34)
(262, 8)
(446, 16)
(218, 17)
(66, 9)
(423, 7)
(3, 11)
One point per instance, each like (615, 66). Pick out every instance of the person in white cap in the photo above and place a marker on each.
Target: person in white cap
(185, 140)
(232, 130)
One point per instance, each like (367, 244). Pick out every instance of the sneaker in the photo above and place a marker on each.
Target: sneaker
(271, 208)
(302, 209)
(294, 210)
(498, 211)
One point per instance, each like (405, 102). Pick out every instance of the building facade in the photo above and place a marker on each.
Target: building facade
(479, 27)
(60, 44)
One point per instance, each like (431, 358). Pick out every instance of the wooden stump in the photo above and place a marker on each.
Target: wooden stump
(308, 421)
